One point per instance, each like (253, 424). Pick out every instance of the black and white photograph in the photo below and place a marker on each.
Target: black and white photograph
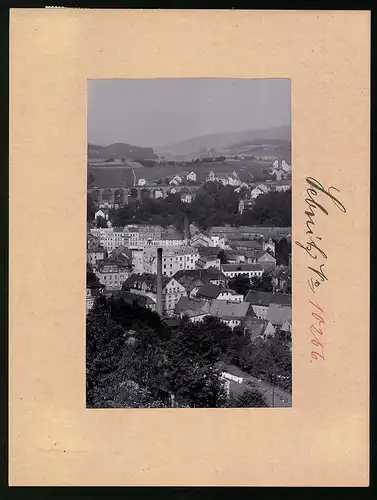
(189, 225)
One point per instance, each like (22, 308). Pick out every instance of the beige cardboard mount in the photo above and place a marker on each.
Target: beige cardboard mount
(54, 440)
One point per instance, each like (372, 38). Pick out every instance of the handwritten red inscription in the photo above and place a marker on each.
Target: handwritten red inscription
(317, 331)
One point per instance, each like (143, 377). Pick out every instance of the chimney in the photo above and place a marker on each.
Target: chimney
(159, 282)
(187, 230)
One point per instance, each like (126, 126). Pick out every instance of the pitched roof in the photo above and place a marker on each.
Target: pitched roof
(208, 252)
(255, 245)
(136, 281)
(266, 257)
(224, 309)
(267, 298)
(171, 234)
(192, 307)
(254, 326)
(206, 275)
(241, 267)
(105, 265)
(209, 291)
(189, 282)
(279, 314)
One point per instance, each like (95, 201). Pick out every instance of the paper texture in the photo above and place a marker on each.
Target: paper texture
(54, 440)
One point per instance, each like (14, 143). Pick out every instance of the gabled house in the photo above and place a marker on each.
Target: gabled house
(176, 180)
(280, 316)
(217, 292)
(267, 261)
(204, 262)
(261, 301)
(195, 309)
(194, 229)
(191, 176)
(200, 240)
(113, 273)
(230, 313)
(146, 284)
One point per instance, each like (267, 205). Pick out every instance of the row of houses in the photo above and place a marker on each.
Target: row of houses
(137, 235)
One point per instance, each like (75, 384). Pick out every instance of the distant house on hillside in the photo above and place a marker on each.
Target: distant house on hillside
(186, 197)
(176, 180)
(102, 212)
(245, 205)
(191, 176)
(225, 179)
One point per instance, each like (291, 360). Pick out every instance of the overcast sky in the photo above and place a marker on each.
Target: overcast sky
(157, 112)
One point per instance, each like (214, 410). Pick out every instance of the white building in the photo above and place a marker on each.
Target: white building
(287, 168)
(104, 213)
(113, 274)
(191, 176)
(217, 241)
(283, 187)
(249, 270)
(173, 259)
(186, 198)
(109, 237)
(254, 194)
(225, 179)
(176, 180)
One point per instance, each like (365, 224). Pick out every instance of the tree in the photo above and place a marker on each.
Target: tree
(91, 277)
(90, 209)
(100, 221)
(282, 250)
(263, 283)
(221, 255)
(240, 284)
(250, 398)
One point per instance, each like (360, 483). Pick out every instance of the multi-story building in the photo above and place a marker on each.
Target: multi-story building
(113, 274)
(173, 259)
(114, 239)
(102, 233)
(136, 236)
(261, 301)
(94, 256)
(146, 285)
(210, 292)
(249, 270)
(204, 262)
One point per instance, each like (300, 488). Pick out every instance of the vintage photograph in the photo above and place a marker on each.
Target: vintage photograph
(188, 280)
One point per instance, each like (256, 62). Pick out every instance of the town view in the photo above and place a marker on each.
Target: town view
(188, 281)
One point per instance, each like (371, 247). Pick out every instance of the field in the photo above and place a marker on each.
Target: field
(123, 176)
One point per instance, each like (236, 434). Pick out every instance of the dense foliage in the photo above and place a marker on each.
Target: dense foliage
(134, 360)
(242, 284)
(214, 205)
